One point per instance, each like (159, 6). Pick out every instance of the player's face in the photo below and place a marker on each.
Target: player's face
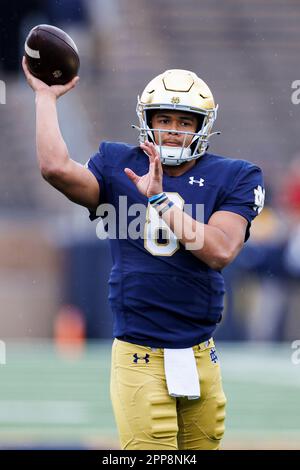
(175, 121)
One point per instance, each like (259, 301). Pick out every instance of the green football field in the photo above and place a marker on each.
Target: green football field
(51, 401)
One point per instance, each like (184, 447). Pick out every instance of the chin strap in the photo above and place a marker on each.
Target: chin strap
(173, 155)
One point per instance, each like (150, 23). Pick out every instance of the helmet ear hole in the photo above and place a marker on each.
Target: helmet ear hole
(200, 119)
(149, 115)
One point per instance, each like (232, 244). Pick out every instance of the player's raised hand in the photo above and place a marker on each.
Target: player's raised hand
(38, 85)
(151, 183)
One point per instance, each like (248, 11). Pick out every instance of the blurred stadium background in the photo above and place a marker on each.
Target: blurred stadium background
(55, 324)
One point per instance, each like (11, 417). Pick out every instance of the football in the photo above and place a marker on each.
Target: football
(51, 54)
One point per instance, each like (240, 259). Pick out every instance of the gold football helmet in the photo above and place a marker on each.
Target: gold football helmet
(179, 90)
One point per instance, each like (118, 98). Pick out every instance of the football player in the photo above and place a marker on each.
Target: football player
(166, 287)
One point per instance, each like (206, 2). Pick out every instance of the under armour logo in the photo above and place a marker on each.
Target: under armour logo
(200, 182)
(137, 358)
(213, 356)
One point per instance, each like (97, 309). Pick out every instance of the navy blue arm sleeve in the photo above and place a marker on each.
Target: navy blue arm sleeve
(96, 164)
(247, 195)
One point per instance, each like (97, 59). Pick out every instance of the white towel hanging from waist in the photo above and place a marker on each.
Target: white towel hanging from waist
(181, 373)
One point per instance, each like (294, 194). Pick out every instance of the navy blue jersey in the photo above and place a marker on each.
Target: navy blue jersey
(161, 295)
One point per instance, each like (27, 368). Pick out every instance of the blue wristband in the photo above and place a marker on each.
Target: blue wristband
(159, 201)
(156, 196)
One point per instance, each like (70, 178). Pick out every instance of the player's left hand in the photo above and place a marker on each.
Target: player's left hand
(151, 183)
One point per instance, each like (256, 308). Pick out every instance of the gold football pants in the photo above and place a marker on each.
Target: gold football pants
(148, 418)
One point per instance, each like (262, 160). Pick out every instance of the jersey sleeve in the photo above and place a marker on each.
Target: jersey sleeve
(96, 164)
(247, 195)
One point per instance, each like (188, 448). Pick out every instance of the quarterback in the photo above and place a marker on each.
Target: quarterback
(166, 287)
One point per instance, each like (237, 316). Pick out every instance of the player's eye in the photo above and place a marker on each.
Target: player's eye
(164, 121)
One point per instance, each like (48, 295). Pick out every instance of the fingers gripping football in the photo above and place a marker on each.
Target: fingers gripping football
(38, 85)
